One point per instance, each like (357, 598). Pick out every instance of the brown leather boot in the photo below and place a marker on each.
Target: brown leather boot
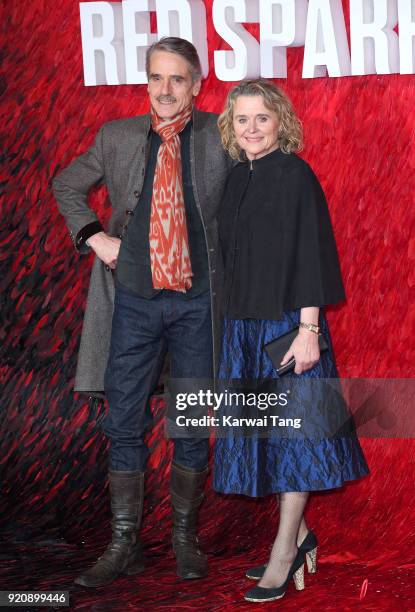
(186, 489)
(124, 554)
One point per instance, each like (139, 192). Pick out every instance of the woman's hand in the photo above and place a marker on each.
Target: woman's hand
(304, 349)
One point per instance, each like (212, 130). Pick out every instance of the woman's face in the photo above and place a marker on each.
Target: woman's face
(255, 126)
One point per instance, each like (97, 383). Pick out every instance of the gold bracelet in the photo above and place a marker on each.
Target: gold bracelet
(311, 327)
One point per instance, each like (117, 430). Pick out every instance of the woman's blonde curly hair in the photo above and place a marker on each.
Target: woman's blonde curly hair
(290, 133)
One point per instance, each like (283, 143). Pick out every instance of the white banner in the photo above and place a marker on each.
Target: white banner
(116, 36)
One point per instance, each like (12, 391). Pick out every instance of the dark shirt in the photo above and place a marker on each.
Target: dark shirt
(277, 240)
(133, 264)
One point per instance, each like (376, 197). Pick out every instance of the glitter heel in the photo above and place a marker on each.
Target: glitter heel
(261, 594)
(308, 545)
(311, 559)
(299, 578)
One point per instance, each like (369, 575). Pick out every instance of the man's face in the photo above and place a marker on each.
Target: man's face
(170, 85)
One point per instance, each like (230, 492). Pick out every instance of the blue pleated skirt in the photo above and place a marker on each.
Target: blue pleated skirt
(257, 466)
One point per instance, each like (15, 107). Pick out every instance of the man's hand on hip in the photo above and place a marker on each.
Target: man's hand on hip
(106, 248)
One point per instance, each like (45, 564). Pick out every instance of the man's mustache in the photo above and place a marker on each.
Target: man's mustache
(165, 99)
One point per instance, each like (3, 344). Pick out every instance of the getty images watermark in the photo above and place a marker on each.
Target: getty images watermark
(233, 399)
(291, 407)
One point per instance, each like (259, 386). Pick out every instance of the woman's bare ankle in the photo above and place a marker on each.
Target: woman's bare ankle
(302, 533)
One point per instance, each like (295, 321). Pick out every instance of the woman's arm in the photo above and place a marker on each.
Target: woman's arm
(305, 348)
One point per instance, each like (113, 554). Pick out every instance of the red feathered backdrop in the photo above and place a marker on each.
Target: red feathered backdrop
(54, 504)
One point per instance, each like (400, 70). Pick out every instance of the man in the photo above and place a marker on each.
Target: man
(156, 274)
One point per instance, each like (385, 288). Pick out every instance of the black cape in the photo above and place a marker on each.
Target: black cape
(277, 239)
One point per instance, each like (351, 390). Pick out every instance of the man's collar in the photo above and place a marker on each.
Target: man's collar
(186, 128)
(193, 121)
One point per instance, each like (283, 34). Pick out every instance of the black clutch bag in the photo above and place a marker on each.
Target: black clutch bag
(276, 350)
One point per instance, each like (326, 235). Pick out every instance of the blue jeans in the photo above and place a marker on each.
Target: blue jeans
(142, 331)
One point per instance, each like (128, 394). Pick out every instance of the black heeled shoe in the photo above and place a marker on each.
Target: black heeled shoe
(259, 594)
(308, 545)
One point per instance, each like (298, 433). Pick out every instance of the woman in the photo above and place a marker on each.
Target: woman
(281, 268)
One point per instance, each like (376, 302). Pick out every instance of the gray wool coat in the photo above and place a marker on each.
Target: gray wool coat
(118, 159)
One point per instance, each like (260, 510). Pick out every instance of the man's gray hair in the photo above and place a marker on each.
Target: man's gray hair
(180, 46)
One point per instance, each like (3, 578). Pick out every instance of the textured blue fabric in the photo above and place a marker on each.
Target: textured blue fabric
(258, 466)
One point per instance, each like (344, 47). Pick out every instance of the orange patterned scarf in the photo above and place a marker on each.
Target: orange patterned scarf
(169, 246)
